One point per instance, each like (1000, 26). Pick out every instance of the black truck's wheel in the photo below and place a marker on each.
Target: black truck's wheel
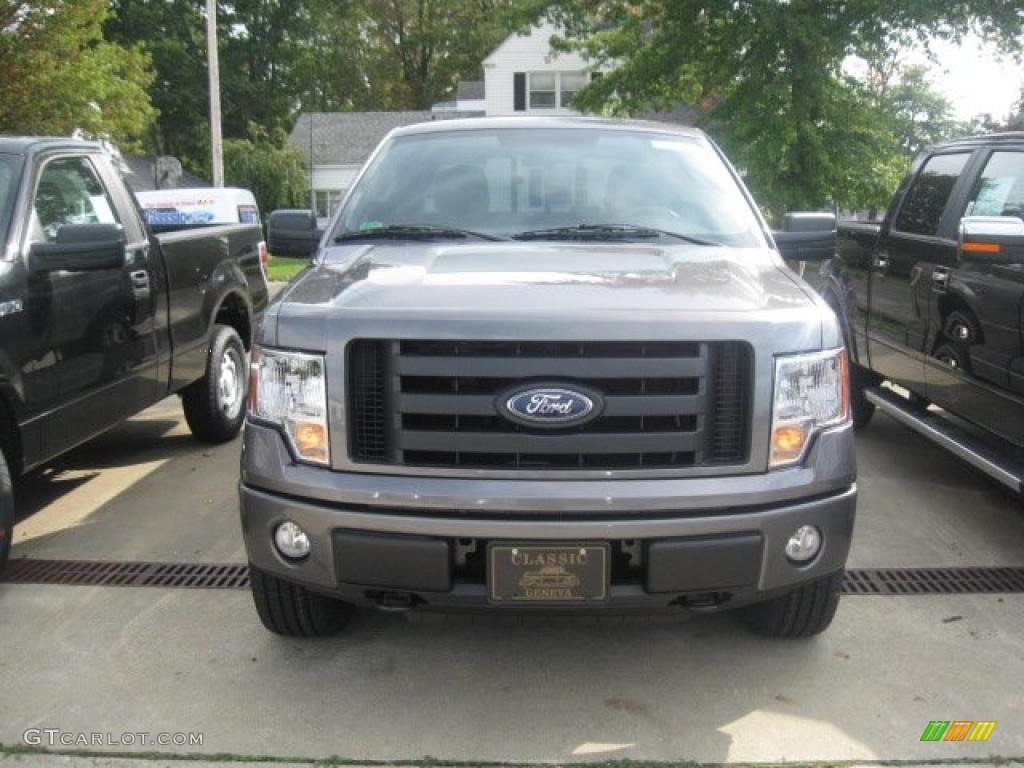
(215, 405)
(861, 409)
(289, 609)
(805, 611)
(6, 512)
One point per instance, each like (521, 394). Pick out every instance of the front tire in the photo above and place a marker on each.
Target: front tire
(6, 512)
(215, 405)
(289, 609)
(806, 611)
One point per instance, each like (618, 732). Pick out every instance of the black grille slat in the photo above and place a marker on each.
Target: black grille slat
(368, 394)
(436, 403)
(730, 411)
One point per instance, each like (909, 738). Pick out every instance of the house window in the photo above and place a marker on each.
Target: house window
(325, 201)
(570, 83)
(543, 90)
(554, 90)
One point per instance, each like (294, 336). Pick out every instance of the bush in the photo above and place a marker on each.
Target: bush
(268, 165)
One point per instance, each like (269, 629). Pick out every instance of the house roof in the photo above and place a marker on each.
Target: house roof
(348, 138)
(470, 89)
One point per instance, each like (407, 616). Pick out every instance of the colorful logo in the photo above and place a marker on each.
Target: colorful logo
(958, 730)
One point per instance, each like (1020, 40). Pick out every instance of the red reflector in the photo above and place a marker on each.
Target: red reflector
(980, 247)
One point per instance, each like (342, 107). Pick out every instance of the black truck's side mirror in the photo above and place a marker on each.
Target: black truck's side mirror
(807, 237)
(292, 232)
(80, 247)
(992, 239)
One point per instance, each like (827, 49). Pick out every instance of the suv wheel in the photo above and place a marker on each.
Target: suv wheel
(804, 612)
(6, 512)
(286, 608)
(215, 405)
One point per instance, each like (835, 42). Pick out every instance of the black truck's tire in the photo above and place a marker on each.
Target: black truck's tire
(861, 409)
(286, 608)
(6, 512)
(215, 405)
(805, 611)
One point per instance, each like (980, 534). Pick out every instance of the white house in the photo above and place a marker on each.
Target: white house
(524, 76)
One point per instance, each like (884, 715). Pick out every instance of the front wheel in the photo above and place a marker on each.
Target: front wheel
(286, 608)
(6, 512)
(806, 611)
(215, 405)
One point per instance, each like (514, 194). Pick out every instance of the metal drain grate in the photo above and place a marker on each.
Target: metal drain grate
(104, 573)
(932, 581)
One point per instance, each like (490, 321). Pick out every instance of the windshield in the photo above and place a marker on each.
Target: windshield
(7, 180)
(556, 183)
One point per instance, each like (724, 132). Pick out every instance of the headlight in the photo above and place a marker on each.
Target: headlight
(812, 392)
(289, 390)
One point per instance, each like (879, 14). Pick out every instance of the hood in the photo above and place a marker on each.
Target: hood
(529, 277)
(534, 290)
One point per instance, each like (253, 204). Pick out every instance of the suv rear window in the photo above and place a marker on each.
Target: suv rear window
(922, 209)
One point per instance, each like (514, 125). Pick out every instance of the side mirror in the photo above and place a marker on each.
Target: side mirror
(807, 237)
(292, 233)
(992, 239)
(80, 247)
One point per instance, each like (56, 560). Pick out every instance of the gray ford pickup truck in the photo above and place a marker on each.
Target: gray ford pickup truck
(550, 364)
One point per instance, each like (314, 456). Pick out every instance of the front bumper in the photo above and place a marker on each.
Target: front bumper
(697, 536)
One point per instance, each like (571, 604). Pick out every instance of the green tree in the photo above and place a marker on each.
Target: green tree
(58, 74)
(918, 114)
(173, 34)
(269, 166)
(770, 76)
(420, 49)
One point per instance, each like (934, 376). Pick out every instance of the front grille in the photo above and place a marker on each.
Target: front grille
(434, 404)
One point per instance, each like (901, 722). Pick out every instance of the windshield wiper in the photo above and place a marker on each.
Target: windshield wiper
(606, 232)
(412, 231)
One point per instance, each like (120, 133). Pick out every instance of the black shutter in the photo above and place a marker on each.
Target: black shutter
(519, 93)
(596, 76)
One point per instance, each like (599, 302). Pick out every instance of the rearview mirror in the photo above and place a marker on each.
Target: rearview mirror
(807, 236)
(992, 239)
(80, 247)
(292, 233)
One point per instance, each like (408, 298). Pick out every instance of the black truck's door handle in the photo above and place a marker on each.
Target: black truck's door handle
(140, 279)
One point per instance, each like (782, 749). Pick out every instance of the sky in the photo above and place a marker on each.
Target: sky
(974, 77)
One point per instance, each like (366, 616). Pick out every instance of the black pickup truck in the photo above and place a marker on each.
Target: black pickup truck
(100, 318)
(933, 296)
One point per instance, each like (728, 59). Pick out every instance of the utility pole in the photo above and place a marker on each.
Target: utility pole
(213, 66)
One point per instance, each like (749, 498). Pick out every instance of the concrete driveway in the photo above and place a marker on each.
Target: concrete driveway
(119, 660)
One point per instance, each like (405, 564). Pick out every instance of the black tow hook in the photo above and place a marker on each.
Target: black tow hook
(395, 602)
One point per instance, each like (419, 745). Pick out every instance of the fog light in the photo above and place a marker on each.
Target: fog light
(804, 544)
(292, 541)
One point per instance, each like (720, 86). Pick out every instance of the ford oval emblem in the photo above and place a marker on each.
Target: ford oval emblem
(550, 406)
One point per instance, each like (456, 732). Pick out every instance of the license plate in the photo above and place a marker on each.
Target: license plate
(531, 573)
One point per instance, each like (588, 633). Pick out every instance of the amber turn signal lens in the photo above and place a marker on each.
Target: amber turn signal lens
(310, 440)
(787, 443)
(980, 247)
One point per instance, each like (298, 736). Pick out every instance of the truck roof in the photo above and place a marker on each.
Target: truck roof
(29, 145)
(561, 121)
(978, 140)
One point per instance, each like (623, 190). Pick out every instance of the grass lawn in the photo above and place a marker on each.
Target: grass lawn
(281, 270)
